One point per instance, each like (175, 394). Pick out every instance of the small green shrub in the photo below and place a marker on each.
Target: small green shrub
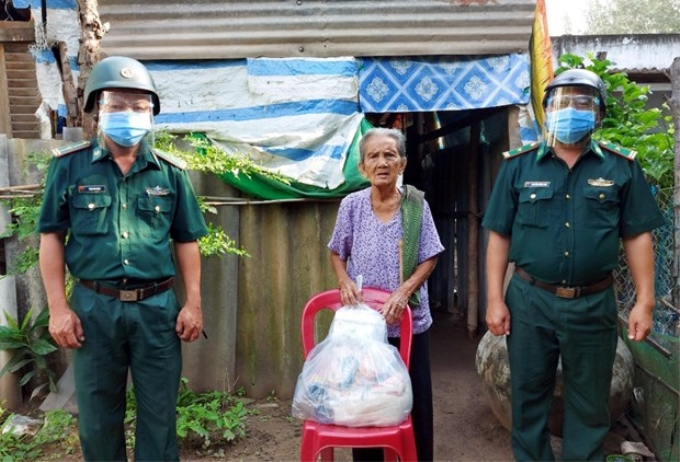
(58, 431)
(29, 343)
(203, 419)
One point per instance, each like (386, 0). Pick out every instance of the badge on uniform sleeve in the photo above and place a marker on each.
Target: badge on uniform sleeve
(600, 182)
(157, 191)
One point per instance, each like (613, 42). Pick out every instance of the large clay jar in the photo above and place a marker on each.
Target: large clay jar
(492, 366)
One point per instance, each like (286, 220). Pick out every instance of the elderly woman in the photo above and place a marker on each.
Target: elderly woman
(381, 232)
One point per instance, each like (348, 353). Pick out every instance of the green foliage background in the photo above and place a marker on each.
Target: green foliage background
(606, 17)
(629, 122)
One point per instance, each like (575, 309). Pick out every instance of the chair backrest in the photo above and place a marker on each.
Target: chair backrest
(375, 298)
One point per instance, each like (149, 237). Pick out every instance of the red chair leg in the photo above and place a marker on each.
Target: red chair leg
(307, 449)
(327, 454)
(390, 455)
(409, 446)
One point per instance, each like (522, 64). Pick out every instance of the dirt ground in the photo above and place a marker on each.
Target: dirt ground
(465, 427)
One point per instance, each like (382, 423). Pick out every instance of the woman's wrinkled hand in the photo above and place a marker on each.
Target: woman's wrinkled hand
(394, 307)
(349, 293)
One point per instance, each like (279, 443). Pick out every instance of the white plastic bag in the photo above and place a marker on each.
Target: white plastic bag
(354, 377)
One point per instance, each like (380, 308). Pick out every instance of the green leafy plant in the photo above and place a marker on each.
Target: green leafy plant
(58, 431)
(30, 343)
(629, 122)
(203, 419)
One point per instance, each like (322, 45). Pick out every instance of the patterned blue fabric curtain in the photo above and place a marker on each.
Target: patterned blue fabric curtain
(446, 83)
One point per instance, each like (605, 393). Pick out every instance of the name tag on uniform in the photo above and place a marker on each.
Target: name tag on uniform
(157, 191)
(600, 182)
(92, 189)
(536, 184)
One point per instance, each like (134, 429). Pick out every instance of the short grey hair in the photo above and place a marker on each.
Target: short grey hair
(393, 133)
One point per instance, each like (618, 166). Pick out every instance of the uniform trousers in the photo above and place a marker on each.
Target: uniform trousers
(422, 412)
(583, 332)
(121, 336)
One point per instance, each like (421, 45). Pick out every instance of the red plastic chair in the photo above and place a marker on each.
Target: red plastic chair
(397, 441)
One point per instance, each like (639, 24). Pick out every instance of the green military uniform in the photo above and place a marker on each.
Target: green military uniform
(119, 230)
(565, 226)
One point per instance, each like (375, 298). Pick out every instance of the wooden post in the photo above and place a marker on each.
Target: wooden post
(68, 88)
(473, 233)
(91, 34)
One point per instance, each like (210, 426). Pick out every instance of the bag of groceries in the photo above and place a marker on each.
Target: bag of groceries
(354, 377)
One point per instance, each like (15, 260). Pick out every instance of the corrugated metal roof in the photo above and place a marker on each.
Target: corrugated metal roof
(209, 29)
(643, 53)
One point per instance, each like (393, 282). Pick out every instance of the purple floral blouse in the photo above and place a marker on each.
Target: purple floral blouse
(372, 248)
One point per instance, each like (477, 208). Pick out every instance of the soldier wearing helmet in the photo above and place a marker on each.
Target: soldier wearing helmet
(558, 211)
(110, 209)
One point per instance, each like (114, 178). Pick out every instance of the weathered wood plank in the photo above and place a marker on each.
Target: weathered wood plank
(18, 48)
(23, 102)
(24, 91)
(23, 119)
(23, 85)
(15, 31)
(21, 74)
(5, 120)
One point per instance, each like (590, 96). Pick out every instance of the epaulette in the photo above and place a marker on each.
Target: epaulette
(618, 150)
(521, 150)
(176, 161)
(70, 148)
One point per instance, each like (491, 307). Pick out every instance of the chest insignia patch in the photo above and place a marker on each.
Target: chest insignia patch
(600, 182)
(536, 184)
(92, 189)
(157, 191)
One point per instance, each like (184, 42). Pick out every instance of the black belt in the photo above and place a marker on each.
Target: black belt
(564, 291)
(129, 295)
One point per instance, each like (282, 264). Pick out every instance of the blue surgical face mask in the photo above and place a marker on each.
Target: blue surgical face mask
(125, 128)
(570, 125)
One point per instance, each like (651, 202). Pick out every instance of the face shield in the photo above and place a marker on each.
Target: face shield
(125, 118)
(571, 116)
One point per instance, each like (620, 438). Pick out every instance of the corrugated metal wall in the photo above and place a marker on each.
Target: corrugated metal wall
(210, 29)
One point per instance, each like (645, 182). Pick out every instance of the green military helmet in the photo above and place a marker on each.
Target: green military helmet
(117, 72)
(579, 77)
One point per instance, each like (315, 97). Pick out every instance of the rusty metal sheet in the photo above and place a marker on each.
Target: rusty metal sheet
(204, 29)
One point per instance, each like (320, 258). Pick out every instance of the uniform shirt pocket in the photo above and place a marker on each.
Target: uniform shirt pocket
(534, 207)
(155, 215)
(89, 214)
(602, 206)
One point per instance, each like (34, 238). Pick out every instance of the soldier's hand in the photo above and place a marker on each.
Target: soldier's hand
(639, 323)
(498, 318)
(65, 328)
(189, 323)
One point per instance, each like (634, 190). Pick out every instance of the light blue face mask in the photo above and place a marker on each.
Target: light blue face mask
(125, 128)
(569, 125)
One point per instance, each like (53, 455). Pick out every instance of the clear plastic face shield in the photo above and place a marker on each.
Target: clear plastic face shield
(572, 113)
(125, 117)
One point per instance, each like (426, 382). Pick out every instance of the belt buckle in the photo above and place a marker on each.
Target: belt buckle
(565, 292)
(127, 295)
